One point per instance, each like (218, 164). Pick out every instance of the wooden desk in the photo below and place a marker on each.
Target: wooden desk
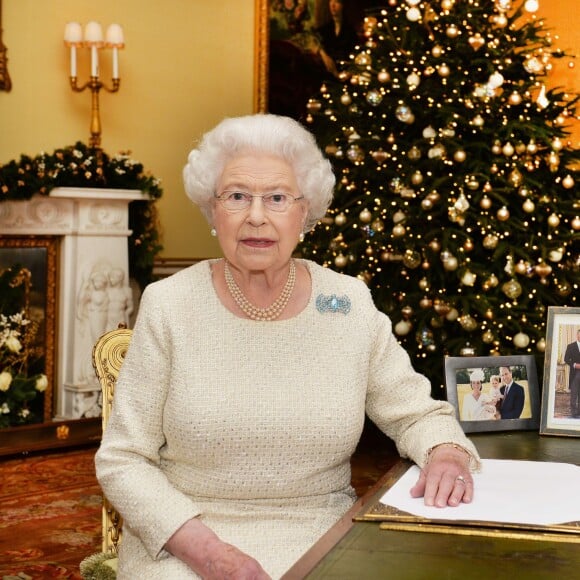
(361, 550)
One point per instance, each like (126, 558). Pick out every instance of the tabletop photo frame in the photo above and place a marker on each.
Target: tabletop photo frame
(493, 410)
(561, 387)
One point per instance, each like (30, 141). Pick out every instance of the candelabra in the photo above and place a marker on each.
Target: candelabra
(93, 40)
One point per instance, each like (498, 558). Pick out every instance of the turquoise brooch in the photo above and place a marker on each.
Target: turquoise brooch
(333, 303)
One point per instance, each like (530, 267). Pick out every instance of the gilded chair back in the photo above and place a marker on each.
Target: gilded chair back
(108, 355)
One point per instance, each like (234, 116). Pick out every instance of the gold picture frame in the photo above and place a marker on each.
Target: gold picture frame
(562, 330)
(5, 82)
(291, 59)
(38, 254)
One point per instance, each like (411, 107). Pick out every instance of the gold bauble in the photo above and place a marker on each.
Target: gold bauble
(437, 51)
(442, 308)
(427, 204)
(451, 264)
(385, 256)
(435, 245)
(412, 259)
(340, 219)
(487, 337)
(503, 214)
(542, 269)
(485, 202)
(468, 245)
(399, 231)
(383, 76)
(468, 322)
(515, 178)
(402, 327)
(541, 345)
(512, 289)
(532, 147)
(568, 182)
(452, 315)
(496, 148)
(564, 289)
(365, 216)
(489, 314)
(407, 311)
(528, 206)
(553, 220)
(490, 242)
(369, 251)
(508, 149)
(521, 268)
(444, 70)
(515, 98)
(345, 99)
(417, 178)
(423, 284)
(452, 31)
(459, 156)
(425, 302)
(575, 223)
(447, 4)
(378, 225)
(380, 156)
(521, 340)
(340, 261)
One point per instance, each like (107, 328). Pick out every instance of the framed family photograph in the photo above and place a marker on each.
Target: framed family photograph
(301, 43)
(561, 386)
(494, 393)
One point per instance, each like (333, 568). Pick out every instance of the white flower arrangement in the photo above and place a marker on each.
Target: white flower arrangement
(19, 388)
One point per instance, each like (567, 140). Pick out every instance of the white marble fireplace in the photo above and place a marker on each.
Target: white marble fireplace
(93, 288)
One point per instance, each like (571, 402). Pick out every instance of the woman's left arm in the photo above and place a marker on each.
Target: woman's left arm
(399, 402)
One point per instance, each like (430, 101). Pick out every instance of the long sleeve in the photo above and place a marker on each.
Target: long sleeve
(394, 387)
(128, 459)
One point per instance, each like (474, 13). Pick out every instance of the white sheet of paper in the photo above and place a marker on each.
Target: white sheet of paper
(518, 492)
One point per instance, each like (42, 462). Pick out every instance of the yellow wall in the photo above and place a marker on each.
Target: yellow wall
(187, 64)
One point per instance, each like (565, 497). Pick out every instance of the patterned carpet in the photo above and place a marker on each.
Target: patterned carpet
(50, 515)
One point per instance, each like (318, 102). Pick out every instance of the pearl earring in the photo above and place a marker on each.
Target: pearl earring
(301, 237)
(213, 232)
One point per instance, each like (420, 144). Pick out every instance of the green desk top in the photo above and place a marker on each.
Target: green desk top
(366, 551)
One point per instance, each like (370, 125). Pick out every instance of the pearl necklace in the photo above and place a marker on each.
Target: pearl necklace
(254, 312)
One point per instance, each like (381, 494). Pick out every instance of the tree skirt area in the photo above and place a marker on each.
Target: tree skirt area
(50, 516)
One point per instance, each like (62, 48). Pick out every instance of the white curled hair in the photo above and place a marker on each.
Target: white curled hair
(261, 133)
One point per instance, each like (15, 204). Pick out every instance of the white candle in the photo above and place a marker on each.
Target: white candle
(115, 63)
(73, 60)
(94, 61)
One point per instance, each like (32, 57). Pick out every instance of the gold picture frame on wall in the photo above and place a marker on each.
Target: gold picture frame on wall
(37, 255)
(295, 50)
(5, 82)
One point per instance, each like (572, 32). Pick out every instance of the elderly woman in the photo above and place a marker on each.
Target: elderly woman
(243, 394)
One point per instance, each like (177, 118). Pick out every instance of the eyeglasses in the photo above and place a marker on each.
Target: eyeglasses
(241, 200)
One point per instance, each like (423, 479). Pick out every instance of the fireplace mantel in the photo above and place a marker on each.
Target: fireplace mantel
(93, 288)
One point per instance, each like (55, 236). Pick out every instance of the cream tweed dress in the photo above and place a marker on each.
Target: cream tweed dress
(250, 425)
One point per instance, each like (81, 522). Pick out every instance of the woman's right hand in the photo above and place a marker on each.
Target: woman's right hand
(200, 548)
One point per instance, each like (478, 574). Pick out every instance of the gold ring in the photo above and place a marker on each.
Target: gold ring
(460, 478)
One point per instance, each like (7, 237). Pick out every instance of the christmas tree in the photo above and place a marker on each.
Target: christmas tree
(456, 199)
